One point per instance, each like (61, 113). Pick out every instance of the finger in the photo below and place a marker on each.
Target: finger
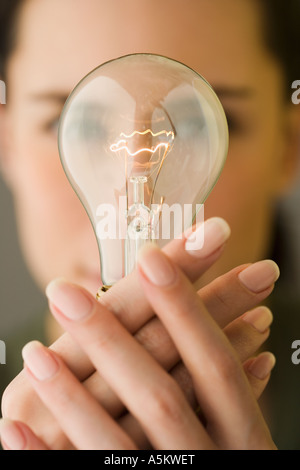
(245, 334)
(226, 298)
(133, 310)
(21, 403)
(248, 332)
(258, 371)
(129, 303)
(155, 339)
(239, 290)
(83, 420)
(147, 391)
(17, 436)
(220, 383)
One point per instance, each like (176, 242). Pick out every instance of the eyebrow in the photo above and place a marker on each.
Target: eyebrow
(234, 92)
(56, 97)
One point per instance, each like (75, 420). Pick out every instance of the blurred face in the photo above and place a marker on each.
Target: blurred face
(60, 42)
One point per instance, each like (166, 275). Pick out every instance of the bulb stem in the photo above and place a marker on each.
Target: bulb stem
(138, 224)
(139, 189)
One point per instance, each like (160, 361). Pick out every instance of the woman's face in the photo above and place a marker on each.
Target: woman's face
(60, 42)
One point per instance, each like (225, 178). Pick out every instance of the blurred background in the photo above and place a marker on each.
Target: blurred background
(20, 299)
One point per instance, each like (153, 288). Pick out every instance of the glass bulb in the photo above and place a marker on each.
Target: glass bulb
(140, 137)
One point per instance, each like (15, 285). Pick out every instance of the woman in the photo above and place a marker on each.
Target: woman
(233, 44)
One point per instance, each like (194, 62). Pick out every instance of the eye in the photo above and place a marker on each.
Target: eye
(86, 130)
(51, 126)
(233, 124)
(190, 127)
(93, 130)
(237, 125)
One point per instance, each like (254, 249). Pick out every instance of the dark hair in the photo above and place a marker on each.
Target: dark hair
(9, 10)
(281, 31)
(281, 20)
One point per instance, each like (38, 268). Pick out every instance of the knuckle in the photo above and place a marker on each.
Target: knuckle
(224, 298)
(154, 336)
(183, 378)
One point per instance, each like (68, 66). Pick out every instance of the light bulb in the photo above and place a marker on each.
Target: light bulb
(139, 137)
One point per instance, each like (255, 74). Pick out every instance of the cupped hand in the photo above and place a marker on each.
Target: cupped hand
(232, 417)
(226, 299)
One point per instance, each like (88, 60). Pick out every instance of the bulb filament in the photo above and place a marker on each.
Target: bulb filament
(122, 144)
(140, 218)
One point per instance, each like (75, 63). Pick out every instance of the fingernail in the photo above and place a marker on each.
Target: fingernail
(11, 435)
(208, 237)
(262, 365)
(39, 361)
(155, 266)
(259, 276)
(70, 300)
(260, 318)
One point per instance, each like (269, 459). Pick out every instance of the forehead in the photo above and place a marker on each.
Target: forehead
(59, 42)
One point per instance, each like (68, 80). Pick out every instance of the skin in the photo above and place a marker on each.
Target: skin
(55, 233)
(107, 347)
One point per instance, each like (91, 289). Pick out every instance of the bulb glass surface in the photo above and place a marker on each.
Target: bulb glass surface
(137, 134)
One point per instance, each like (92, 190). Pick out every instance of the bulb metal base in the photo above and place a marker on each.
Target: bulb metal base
(102, 291)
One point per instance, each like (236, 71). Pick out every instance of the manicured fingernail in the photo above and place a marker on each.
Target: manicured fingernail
(70, 300)
(260, 318)
(12, 436)
(39, 361)
(208, 237)
(155, 266)
(262, 365)
(259, 276)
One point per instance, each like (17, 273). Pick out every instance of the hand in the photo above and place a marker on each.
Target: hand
(226, 298)
(149, 393)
